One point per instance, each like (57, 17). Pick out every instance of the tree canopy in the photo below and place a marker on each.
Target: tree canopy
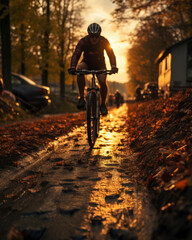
(160, 23)
(43, 34)
(147, 42)
(5, 43)
(176, 14)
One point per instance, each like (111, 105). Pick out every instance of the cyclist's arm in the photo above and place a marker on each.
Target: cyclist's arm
(77, 53)
(110, 54)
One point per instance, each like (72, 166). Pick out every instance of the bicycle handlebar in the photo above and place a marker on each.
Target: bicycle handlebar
(86, 72)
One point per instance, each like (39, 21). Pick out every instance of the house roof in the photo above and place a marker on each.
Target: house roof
(165, 52)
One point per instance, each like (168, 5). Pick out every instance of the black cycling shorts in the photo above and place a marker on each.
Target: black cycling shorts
(95, 65)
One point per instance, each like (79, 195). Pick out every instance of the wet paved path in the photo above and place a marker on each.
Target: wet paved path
(78, 193)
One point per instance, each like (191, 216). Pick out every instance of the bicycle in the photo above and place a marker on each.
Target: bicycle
(92, 104)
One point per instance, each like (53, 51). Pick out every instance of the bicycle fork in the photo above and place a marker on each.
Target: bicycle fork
(98, 103)
(96, 107)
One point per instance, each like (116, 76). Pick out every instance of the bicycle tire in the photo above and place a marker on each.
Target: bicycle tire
(92, 121)
(98, 112)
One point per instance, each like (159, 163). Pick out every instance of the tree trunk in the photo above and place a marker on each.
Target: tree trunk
(46, 42)
(6, 44)
(190, 30)
(22, 50)
(62, 81)
(45, 75)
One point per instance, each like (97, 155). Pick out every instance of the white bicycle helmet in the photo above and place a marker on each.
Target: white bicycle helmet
(94, 28)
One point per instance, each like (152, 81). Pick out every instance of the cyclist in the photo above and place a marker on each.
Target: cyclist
(117, 98)
(92, 46)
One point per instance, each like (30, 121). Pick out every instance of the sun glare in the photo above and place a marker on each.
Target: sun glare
(99, 11)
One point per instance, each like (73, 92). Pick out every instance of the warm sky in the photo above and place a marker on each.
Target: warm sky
(98, 11)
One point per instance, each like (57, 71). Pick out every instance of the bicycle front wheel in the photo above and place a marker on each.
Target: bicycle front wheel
(92, 119)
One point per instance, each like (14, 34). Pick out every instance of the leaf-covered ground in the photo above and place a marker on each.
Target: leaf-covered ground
(21, 138)
(160, 131)
(10, 112)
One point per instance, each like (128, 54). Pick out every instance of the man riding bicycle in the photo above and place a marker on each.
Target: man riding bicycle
(92, 46)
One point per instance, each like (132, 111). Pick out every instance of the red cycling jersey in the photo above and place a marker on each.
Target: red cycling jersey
(93, 54)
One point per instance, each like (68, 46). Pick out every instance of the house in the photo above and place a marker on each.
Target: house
(175, 67)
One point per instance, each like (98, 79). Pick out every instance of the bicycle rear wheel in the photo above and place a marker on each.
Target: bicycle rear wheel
(92, 120)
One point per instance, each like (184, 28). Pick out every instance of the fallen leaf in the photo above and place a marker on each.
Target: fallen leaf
(61, 163)
(168, 205)
(182, 184)
(17, 163)
(32, 190)
(10, 195)
(28, 177)
(183, 148)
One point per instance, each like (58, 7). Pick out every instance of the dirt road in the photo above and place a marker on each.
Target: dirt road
(72, 192)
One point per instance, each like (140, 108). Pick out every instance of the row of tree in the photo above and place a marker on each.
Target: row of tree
(160, 23)
(37, 37)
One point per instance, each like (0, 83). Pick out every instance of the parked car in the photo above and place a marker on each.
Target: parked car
(150, 91)
(30, 95)
(138, 93)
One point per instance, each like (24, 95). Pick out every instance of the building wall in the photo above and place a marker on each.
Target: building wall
(179, 65)
(165, 72)
(189, 63)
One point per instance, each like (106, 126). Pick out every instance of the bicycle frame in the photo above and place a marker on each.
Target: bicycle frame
(95, 88)
(93, 104)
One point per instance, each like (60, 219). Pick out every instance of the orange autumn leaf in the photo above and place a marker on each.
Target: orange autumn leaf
(28, 177)
(32, 190)
(10, 195)
(36, 129)
(17, 163)
(183, 148)
(168, 205)
(182, 184)
(60, 163)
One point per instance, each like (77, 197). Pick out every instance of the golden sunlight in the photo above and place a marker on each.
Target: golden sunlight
(99, 11)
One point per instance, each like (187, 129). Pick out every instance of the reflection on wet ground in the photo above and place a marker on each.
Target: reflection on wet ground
(81, 193)
(118, 206)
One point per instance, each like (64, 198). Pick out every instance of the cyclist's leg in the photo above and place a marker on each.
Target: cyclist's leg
(103, 93)
(103, 87)
(81, 78)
